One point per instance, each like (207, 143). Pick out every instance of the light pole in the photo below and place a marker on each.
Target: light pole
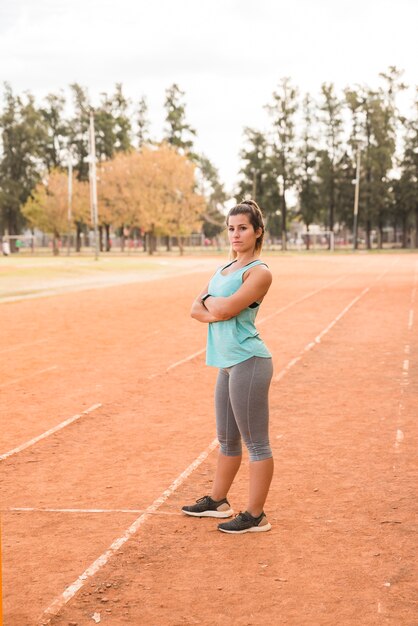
(93, 184)
(356, 198)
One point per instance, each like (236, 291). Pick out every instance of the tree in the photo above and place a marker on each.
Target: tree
(143, 123)
(152, 190)
(307, 184)
(331, 108)
(213, 191)
(47, 208)
(57, 130)
(23, 137)
(283, 159)
(120, 193)
(178, 133)
(407, 190)
(112, 125)
(167, 182)
(259, 176)
(375, 137)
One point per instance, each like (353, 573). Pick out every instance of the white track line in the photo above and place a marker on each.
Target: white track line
(72, 589)
(21, 346)
(57, 604)
(399, 436)
(26, 509)
(48, 432)
(326, 330)
(38, 373)
(319, 337)
(185, 360)
(264, 319)
(308, 295)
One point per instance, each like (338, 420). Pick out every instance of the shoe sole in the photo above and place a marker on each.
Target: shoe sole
(218, 514)
(253, 529)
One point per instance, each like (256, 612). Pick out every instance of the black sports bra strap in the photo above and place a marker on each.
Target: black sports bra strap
(228, 265)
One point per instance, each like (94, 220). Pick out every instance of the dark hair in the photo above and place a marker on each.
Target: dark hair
(255, 217)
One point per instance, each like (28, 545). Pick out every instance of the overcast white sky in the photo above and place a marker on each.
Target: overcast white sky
(227, 55)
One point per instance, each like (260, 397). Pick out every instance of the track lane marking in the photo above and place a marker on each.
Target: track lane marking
(400, 435)
(23, 378)
(56, 428)
(27, 509)
(56, 605)
(319, 337)
(309, 346)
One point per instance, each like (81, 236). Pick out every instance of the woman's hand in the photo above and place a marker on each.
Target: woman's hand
(200, 312)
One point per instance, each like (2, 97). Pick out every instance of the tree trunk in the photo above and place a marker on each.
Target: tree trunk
(55, 247)
(308, 238)
(152, 244)
(181, 245)
(368, 235)
(404, 231)
(101, 238)
(331, 208)
(107, 231)
(380, 235)
(284, 231)
(78, 237)
(416, 226)
(11, 230)
(168, 243)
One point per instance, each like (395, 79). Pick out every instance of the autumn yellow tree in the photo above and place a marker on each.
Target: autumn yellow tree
(118, 196)
(47, 208)
(171, 205)
(153, 190)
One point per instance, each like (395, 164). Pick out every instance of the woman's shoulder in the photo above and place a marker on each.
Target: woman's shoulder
(260, 269)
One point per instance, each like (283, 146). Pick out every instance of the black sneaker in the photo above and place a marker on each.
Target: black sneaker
(206, 507)
(246, 523)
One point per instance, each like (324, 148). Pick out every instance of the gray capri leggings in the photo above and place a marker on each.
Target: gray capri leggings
(241, 402)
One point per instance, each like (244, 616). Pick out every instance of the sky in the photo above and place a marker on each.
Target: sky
(228, 56)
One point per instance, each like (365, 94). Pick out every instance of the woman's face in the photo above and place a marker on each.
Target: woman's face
(241, 234)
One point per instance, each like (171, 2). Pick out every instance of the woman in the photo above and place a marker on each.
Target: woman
(229, 305)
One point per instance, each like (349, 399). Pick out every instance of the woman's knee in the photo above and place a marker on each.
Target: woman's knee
(230, 447)
(259, 451)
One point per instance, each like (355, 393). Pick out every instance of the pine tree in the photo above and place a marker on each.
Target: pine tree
(55, 150)
(307, 184)
(143, 123)
(112, 125)
(331, 118)
(259, 177)
(178, 133)
(213, 191)
(283, 159)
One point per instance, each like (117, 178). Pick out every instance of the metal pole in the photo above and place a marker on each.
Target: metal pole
(93, 185)
(356, 198)
(70, 201)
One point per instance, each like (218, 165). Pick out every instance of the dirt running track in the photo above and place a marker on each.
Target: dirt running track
(344, 408)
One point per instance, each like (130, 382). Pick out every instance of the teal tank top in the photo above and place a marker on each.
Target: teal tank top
(235, 340)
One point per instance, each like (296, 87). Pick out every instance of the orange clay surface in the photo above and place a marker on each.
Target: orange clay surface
(344, 431)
